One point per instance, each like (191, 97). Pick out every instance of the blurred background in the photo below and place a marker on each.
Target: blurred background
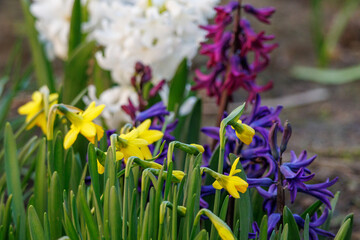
(323, 105)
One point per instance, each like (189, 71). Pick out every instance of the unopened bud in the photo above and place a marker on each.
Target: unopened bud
(286, 136)
(139, 67)
(273, 140)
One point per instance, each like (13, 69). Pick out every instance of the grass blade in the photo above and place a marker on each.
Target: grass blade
(36, 230)
(13, 181)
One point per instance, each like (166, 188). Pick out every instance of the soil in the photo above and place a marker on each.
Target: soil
(329, 128)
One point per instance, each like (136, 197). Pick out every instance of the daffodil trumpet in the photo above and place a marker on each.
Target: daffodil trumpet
(243, 131)
(176, 177)
(233, 184)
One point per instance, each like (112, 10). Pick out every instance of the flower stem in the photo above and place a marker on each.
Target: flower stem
(280, 204)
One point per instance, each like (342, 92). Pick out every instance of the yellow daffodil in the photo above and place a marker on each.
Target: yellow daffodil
(232, 184)
(150, 136)
(178, 174)
(37, 107)
(135, 143)
(199, 147)
(222, 228)
(244, 132)
(82, 123)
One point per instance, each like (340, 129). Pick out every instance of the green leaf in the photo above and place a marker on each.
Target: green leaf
(59, 158)
(345, 230)
(13, 181)
(306, 227)
(285, 233)
(75, 79)
(202, 235)
(40, 185)
(6, 218)
(177, 86)
(256, 201)
(55, 207)
(326, 225)
(263, 228)
(43, 71)
(69, 227)
(90, 223)
(224, 208)
(327, 76)
(36, 230)
(46, 226)
(115, 219)
(75, 27)
(312, 209)
(92, 160)
(194, 124)
(288, 219)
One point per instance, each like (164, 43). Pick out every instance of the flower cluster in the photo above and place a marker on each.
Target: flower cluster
(264, 166)
(159, 33)
(229, 63)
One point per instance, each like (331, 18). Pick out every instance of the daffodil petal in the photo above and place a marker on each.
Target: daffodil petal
(70, 137)
(28, 108)
(240, 184)
(144, 126)
(139, 142)
(132, 150)
(230, 187)
(119, 155)
(217, 185)
(151, 135)
(133, 134)
(146, 152)
(41, 122)
(99, 131)
(88, 130)
(233, 167)
(53, 97)
(100, 168)
(93, 112)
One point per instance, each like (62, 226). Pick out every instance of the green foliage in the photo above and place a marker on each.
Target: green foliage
(177, 86)
(42, 67)
(76, 67)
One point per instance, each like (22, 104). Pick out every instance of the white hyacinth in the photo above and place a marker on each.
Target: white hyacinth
(157, 33)
(53, 23)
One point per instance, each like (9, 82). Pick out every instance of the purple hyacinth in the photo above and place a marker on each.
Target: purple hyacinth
(273, 220)
(262, 14)
(314, 224)
(157, 110)
(269, 204)
(229, 65)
